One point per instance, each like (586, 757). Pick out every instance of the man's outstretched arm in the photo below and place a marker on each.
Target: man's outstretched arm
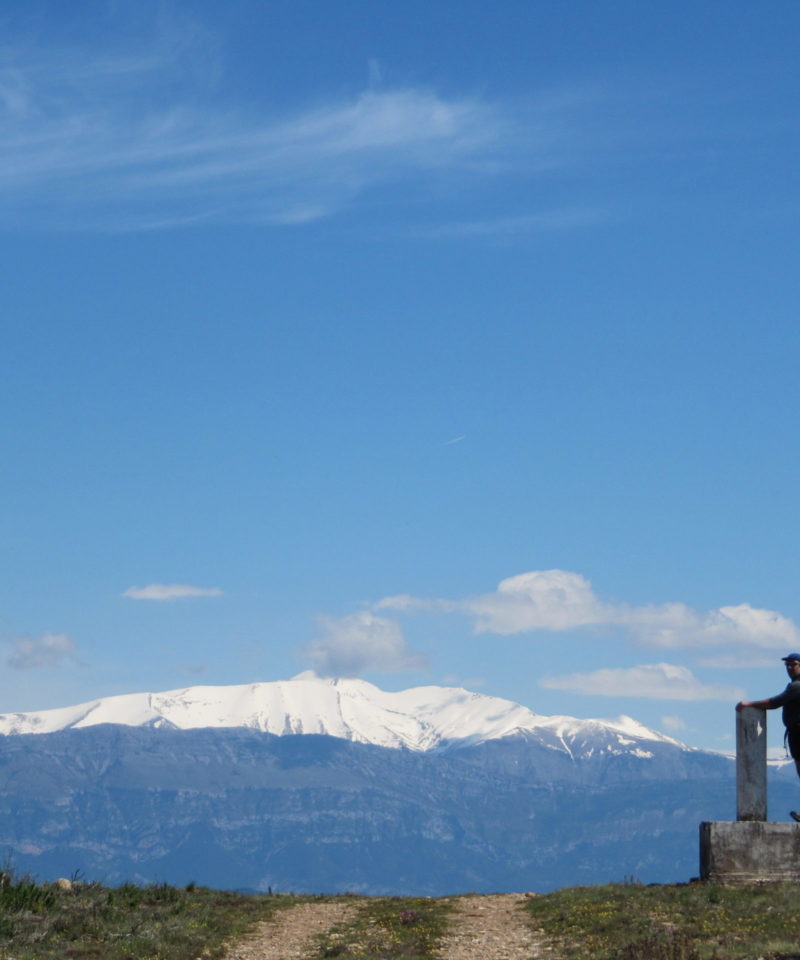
(768, 704)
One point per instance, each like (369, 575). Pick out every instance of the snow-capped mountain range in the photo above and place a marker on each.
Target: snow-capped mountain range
(429, 791)
(419, 719)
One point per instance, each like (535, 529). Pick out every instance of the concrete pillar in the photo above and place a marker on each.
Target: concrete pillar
(734, 852)
(751, 764)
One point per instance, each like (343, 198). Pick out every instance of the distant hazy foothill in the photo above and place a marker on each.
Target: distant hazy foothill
(333, 785)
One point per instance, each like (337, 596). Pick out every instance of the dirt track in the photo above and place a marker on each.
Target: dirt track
(492, 927)
(291, 936)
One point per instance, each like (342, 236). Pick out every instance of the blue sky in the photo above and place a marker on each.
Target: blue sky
(426, 342)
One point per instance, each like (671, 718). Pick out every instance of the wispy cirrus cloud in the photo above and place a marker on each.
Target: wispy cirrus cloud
(561, 600)
(116, 142)
(148, 137)
(170, 591)
(652, 681)
(347, 646)
(35, 653)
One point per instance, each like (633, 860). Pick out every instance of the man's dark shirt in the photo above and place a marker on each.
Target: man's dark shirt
(790, 701)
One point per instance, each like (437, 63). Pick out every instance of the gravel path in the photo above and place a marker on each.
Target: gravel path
(492, 927)
(481, 927)
(292, 934)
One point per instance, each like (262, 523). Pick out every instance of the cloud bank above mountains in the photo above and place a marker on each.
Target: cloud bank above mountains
(542, 602)
(561, 601)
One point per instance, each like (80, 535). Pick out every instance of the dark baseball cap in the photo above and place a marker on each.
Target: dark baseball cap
(791, 656)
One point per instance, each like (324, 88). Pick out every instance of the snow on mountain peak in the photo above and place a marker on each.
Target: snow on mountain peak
(421, 718)
(632, 728)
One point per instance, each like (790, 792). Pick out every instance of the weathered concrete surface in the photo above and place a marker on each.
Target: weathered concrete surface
(751, 764)
(741, 851)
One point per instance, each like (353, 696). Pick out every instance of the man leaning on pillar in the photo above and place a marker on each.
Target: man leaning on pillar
(789, 699)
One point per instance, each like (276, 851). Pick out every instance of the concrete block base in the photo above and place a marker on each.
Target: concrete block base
(742, 851)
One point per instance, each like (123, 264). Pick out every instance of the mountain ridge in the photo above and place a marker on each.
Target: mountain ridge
(419, 718)
(334, 785)
(234, 807)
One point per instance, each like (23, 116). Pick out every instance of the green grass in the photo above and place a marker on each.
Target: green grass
(93, 922)
(389, 928)
(696, 921)
(162, 922)
(616, 922)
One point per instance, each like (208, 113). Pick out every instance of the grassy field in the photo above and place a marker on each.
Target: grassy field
(696, 921)
(389, 928)
(90, 921)
(161, 922)
(615, 922)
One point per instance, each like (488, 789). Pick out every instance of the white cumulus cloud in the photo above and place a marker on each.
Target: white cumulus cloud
(653, 681)
(170, 591)
(539, 600)
(561, 600)
(676, 625)
(49, 650)
(347, 646)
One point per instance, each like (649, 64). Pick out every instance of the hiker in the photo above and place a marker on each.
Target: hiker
(789, 699)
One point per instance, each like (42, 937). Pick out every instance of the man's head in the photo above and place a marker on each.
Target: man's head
(792, 662)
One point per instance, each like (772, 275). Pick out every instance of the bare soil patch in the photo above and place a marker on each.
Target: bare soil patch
(293, 933)
(492, 927)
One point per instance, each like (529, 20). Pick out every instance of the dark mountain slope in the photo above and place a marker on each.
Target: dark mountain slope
(242, 809)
